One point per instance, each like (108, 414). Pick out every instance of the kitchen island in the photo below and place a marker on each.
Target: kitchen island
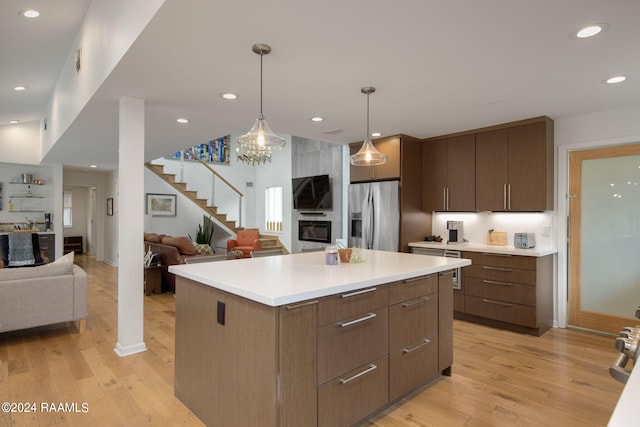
(290, 341)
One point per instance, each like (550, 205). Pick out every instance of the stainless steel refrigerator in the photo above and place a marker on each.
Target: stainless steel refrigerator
(374, 215)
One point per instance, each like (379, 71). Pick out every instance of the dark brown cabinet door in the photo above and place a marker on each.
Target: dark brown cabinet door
(492, 173)
(461, 173)
(434, 183)
(527, 168)
(389, 170)
(449, 174)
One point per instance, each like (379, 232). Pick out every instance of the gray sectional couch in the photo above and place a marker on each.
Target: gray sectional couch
(38, 296)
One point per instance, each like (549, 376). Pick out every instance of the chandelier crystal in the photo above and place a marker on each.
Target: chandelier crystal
(260, 140)
(253, 157)
(368, 155)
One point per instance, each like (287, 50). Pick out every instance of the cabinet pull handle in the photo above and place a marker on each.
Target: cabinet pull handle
(504, 196)
(444, 198)
(422, 344)
(415, 302)
(446, 273)
(497, 303)
(509, 197)
(447, 198)
(413, 279)
(494, 282)
(493, 254)
(371, 368)
(301, 304)
(363, 291)
(486, 267)
(353, 322)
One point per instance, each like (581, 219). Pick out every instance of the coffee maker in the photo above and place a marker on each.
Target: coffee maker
(454, 232)
(47, 221)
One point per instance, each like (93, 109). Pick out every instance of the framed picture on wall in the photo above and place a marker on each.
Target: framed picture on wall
(161, 204)
(110, 206)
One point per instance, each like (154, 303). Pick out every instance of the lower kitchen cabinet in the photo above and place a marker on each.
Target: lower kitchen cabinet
(510, 291)
(333, 361)
(47, 242)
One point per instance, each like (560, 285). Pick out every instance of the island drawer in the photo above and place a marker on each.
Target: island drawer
(412, 320)
(412, 366)
(351, 342)
(499, 310)
(501, 260)
(354, 395)
(348, 304)
(503, 274)
(501, 291)
(404, 290)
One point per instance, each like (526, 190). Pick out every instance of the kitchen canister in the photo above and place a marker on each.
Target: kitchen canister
(331, 255)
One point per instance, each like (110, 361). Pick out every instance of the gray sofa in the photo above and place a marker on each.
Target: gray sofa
(38, 296)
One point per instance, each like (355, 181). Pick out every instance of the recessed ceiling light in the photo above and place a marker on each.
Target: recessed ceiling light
(317, 119)
(13, 122)
(228, 95)
(376, 134)
(20, 88)
(31, 13)
(615, 79)
(182, 120)
(588, 31)
(93, 166)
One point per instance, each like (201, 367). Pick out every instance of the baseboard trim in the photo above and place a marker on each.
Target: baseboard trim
(123, 351)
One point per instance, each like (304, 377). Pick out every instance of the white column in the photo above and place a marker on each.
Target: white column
(131, 227)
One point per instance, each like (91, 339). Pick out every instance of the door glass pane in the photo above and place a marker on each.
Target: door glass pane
(610, 244)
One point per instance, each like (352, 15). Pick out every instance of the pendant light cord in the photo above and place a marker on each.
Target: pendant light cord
(367, 136)
(261, 54)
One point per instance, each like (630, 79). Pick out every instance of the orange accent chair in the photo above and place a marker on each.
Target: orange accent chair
(246, 241)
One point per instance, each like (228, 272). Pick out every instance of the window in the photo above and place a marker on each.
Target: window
(273, 208)
(67, 220)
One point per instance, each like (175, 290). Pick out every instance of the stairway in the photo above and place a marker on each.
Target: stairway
(268, 241)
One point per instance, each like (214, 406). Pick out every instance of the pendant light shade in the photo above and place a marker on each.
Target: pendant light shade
(261, 139)
(368, 155)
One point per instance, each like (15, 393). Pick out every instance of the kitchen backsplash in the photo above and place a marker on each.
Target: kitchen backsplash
(477, 225)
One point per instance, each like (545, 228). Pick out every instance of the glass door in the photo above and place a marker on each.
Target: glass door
(604, 237)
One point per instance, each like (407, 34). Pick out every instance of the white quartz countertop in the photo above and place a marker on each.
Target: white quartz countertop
(477, 247)
(286, 279)
(626, 412)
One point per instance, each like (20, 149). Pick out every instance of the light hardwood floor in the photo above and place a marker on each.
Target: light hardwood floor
(499, 378)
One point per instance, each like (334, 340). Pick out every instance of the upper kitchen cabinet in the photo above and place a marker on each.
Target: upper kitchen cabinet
(514, 167)
(449, 174)
(388, 170)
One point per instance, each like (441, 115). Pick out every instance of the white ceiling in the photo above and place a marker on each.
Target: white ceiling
(439, 66)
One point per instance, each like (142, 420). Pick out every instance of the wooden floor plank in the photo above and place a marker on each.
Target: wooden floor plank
(500, 378)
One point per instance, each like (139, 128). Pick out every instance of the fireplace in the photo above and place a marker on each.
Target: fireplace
(314, 231)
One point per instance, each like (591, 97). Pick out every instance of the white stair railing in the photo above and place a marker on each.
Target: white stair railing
(209, 185)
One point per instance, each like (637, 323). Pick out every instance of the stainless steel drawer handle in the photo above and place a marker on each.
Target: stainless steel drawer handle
(497, 303)
(494, 282)
(363, 291)
(446, 273)
(371, 368)
(302, 304)
(414, 279)
(417, 301)
(493, 254)
(486, 267)
(422, 344)
(353, 322)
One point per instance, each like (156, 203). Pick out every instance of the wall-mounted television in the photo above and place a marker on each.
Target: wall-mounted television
(312, 192)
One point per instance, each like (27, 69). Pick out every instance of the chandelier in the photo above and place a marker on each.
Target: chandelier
(253, 157)
(260, 140)
(368, 155)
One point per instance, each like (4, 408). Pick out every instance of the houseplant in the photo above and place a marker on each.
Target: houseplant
(204, 235)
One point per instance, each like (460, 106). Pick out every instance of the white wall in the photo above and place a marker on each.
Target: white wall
(110, 221)
(605, 128)
(20, 142)
(108, 31)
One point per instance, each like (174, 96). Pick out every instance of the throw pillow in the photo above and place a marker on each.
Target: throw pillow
(152, 237)
(183, 244)
(66, 259)
(202, 248)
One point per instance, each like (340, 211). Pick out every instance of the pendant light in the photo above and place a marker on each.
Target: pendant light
(368, 154)
(260, 139)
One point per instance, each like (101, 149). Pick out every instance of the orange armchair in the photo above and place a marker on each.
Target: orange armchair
(246, 241)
